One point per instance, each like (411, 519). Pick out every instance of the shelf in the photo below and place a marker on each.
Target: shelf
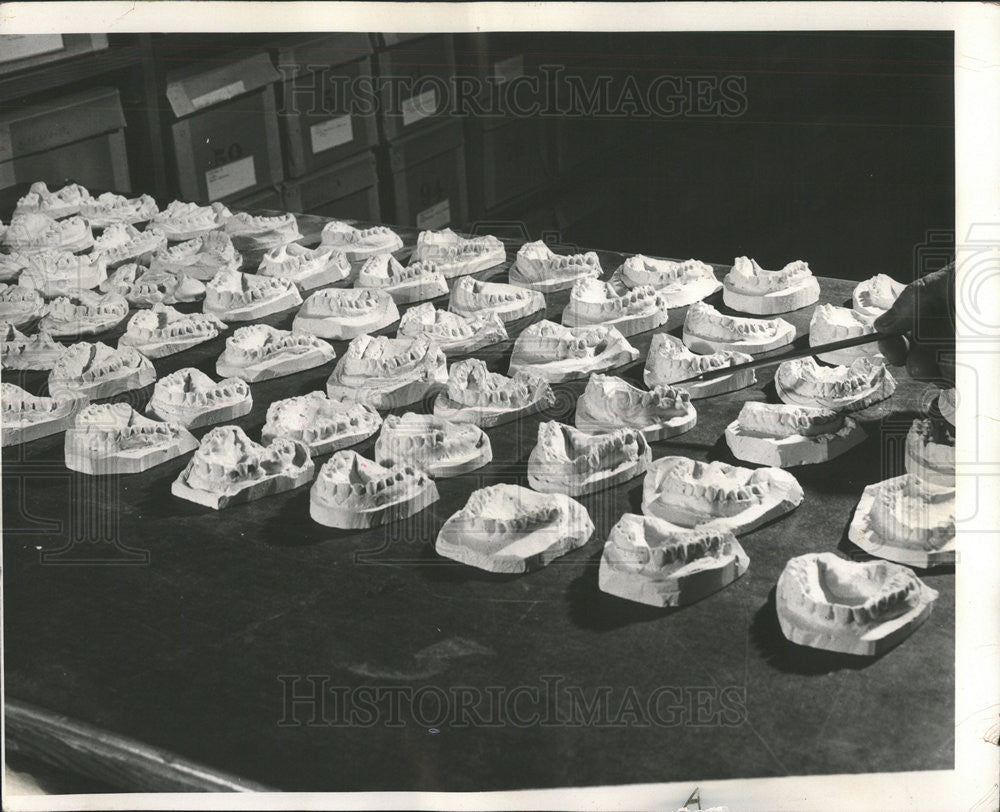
(75, 69)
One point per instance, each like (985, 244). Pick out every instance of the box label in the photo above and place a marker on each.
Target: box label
(506, 69)
(230, 178)
(420, 106)
(21, 46)
(220, 94)
(435, 216)
(331, 133)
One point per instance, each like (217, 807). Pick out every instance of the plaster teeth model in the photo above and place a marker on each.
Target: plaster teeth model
(595, 302)
(11, 265)
(120, 281)
(874, 296)
(510, 529)
(235, 296)
(58, 204)
(322, 424)
(476, 395)
(229, 468)
(185, 221)
(255, 236)
(353, 492)
(192, 399)
(162, 287)
(748, 288)
(537, 268)
(306, 268)
(470, 297)
(415, 283)
(457, 256)
(908, 520)
(121, 243)
(358, 244)
(37, 351)
(678, 283)
(831, 323)
(669, 361)
(717, 496)
(20, 306)
(946, 404)
(96, 371)
(259, 352)
(609, 403)
(453, 333)
(803, 382)
(84, 313)
(783, 436)
(200, 258)
(61, 273)
(31, 233)
(113, 438)
(434, 445)
(110, 209)
(866, 608)
(649, 561)
(344, 313)
(27, 417)
(930, 453)
(387, 372)
(559, 353)
(707, 331)
(163, 330)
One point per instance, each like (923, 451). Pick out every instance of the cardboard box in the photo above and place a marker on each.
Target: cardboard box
(348, 190)
(326, 104)
(506, 162)
(225, 136)
(269, 199)
(23, 51)
(426, 186)
(415, 85)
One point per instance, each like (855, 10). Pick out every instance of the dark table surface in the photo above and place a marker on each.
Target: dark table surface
(191, 630)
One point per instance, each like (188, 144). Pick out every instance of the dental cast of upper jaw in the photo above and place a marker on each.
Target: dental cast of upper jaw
(476, 395)
(510, 529)
(354, 492)
(453, 255)
(803, 382)
(669, 361)
(97, 371)
(321, 423)
(750, 289)
(258, 352)
(110, 209)
(851, 607)
(470, 297)
(831, 323)
(201, 258)
(19, 305)
(121, 243)
(192, 399)
(113, 438)
(595, 302)
(143, 287)
(60, 273)
(342, 313)
(930, 452)
(235, 296)
(360, 244)
(83, 313)
(162, 330)
(56, 204)
(18, 351)
(559, 353)
(536, 267)
(678, 283)
(453, 333)
(185, 221)
(419, 281)
(874, 296)
(566, 460)
(609, 403)
(229, 467)
(649, 561)
(261, 233)
(307, 268)
(27, 417)
(387, 372)
(706, 331)
(437, 446)
(31, 233)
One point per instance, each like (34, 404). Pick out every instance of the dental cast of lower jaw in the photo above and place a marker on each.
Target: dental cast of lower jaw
(56, 204)
(32, 233)
(113, 438)
(803, 382)
(717, 496)
(453, 333)
(145, 288)
(258, 352)
(558, 353)
(97, 371)
(930, 452)
(831, 323)
(201, 258)
(609, 403)
(235, 296)
(438, 447)
(595, 302)
(358, 244)
(476, 395)
(678, 283)
(18, 351)
(344, 313)
(258, 234)
(61, 273)
(649, 561)
(566, 460)
(109, 209)
(84, 313)
(192, 399)
(387, 372)
(306, 268)
(124, 243)
(851, 607)
(321, 423)
(184, 221)
(453, 255)
(470, 297)
(27, 417)
(162, 331)
(874, 296)
(538, 268)
(707, 331)
(750, 289)
(20, 306)
(354, 492)
(510, 529)
(669, 361)
(417, 282)
(229, 468)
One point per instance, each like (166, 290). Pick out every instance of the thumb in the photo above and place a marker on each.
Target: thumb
(898, 319)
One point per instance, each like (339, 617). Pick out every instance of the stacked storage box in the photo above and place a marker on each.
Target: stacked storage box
(23, 51)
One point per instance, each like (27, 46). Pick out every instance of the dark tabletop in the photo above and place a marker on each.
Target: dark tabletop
(191, 629)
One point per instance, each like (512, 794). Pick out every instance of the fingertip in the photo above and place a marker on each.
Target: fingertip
(894, 349)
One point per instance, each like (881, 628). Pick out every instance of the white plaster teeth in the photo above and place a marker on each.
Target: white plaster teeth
(97, 371)
(306, 268)
(633, 311)
(558, 353)
(345, 313)
(453, 333)
(185, 221)
(470, 297)
(109, 209)
(707, 331)
(360, 244)
(62, 273)
(192, 399)
(875, 296)
(323, 424)
(453, 255)
(439, 447)
(235, 296)
(258, 352)
(121, 243)
(56, 204)
(18, 351)
(20, 306)
(803, 382)
(417, 282)
(388, 372)
(830, 323)
(84, 313)
(476, 395)
(36, 232)
(678, 284)
(162, 330)
(27, 417)
(200, 258)
(536, 267)
(669, 361)
(748, 288)
(609, 403)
